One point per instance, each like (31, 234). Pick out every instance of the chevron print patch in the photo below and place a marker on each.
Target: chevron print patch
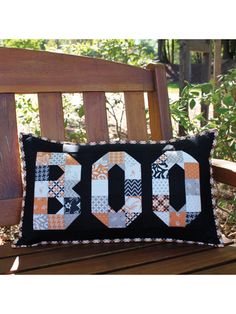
(133, 187)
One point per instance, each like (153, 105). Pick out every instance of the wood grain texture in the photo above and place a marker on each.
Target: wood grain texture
(187, 264)
(65, 254)
(217, 61)
(95, 116)
(205, 77)
(154, 114)
(199, 45)
(119, 260)
(225, 269)
(51, 116)
(10, 172)
(224, 171)
(135, 116)
(27, 71)
(6, 251)
(162, 114)
(10, 210)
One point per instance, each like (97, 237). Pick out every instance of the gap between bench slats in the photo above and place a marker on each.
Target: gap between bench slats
(118, 260)
(10, 183)
(187, 264)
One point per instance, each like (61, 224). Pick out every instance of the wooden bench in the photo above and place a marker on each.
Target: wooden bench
(48, 75)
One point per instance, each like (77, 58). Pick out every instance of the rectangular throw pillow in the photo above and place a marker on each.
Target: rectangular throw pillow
(112, 192)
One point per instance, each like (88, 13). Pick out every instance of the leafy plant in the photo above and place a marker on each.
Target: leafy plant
(223, 99)
(134, 52)
(27, 114)
(74, 117)
(115, 107)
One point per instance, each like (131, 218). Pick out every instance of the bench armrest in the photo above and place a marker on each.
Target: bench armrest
(224, 171)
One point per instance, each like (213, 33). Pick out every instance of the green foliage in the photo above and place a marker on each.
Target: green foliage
(74, 117)
(27, 114)
(115, 107)
(36, 44)
(134, 52)
(223, 99)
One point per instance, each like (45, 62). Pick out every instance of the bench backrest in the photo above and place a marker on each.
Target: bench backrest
(51, 74)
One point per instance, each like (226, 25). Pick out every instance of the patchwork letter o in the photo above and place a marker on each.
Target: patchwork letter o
(100, 207)
(161, 193)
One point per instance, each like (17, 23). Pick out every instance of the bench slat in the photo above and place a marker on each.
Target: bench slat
(226, 269)
(154, 114)
(118, 260)
(27, 71)
(10, 210)
(188, 264)
(51, 116)
(10, 183)
(95, 116)
(6, 251)
(224, 171)
(65, 254)
(162, 115)
(135, 116)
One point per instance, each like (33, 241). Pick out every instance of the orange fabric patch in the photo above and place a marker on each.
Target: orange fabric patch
(56, 222)
(43, 158)
(177, 219)
(116, 157)
(40, 205)
(99, 172)
(103, 217)
(191, 170)
(70, 160)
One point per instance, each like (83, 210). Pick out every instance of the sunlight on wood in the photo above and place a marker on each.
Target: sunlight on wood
(15, 265)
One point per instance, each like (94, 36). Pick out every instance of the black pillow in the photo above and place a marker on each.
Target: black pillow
(113, 192)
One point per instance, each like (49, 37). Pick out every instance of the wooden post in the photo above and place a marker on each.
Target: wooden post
(172, 51)
(217, 60)
(184, 72)
(184, 66)
(206, 76)
(217, 66)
